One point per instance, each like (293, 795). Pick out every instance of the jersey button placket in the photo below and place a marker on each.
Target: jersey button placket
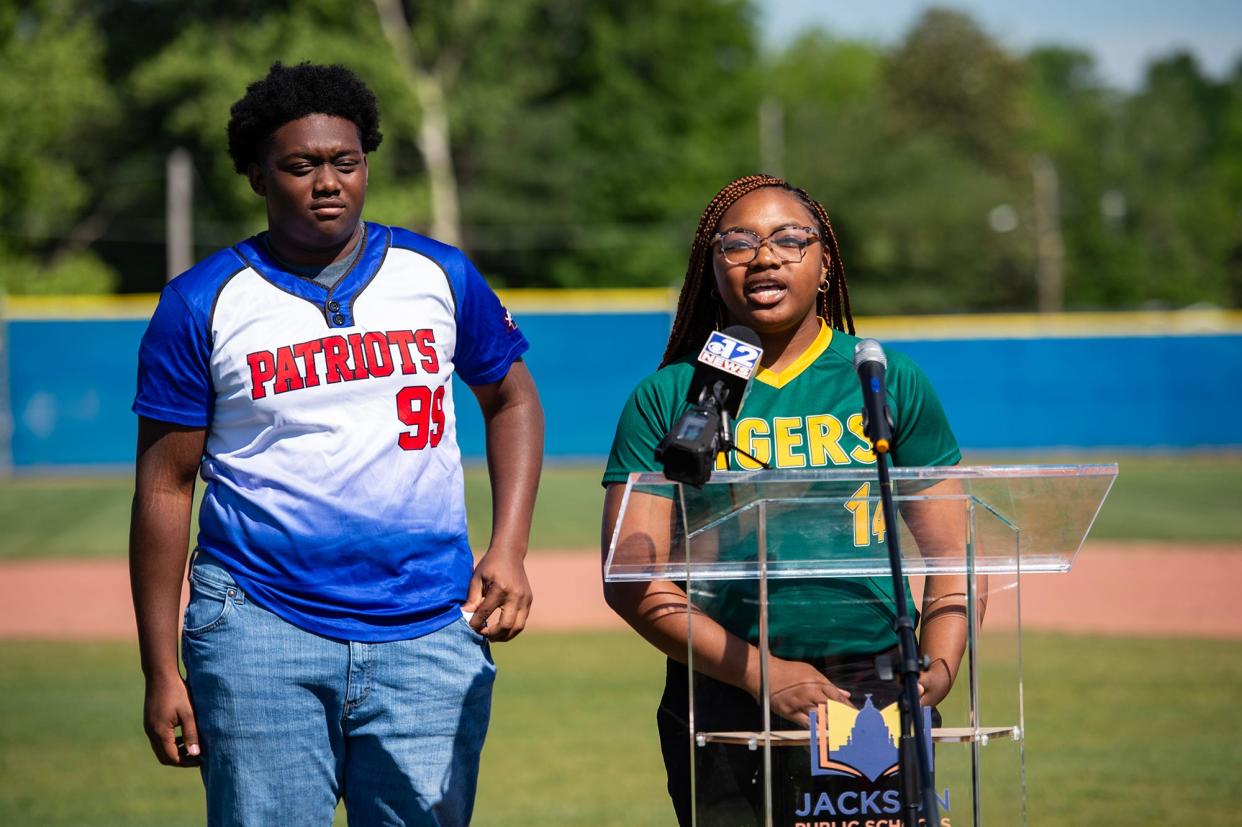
(334, 307)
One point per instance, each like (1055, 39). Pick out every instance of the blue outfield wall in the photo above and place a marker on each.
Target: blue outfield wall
(70, 385)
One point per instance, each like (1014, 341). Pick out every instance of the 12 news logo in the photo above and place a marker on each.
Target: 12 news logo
(730, 355)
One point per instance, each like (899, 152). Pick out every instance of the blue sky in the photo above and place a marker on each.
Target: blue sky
(1123, 35)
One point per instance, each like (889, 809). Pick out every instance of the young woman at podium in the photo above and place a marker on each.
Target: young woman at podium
(765, 256)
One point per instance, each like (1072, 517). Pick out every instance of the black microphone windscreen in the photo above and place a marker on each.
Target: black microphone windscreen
(743, 334)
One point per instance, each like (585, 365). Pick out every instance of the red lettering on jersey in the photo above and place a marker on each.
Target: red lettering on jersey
(262, 369)
(287, 376)
(379, 357)
(414, 409)
(306, 352)
(293, 367)
(437, 416)
(424, 339)
(403, 339)
(336, 360)
(423, 411)
(360, 362)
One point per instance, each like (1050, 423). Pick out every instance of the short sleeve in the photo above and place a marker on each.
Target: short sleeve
(922, 436)
(488, 340)
(648, 415)
(174, 373)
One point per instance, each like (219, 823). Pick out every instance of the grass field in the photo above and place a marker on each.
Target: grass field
(89, 516)
(1191, 499)
(1134, 732)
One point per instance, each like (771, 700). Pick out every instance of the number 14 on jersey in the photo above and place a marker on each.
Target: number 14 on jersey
(868, 516)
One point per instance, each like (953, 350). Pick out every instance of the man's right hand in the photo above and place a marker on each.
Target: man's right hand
(167, 708)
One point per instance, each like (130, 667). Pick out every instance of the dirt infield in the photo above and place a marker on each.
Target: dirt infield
(1143, 589)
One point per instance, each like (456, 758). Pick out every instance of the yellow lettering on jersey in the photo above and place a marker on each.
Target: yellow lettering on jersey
(860, 506)
(861, 453)
(823, 435)
(788, 437)
(752, 436)
(877, 523)
(722, 461)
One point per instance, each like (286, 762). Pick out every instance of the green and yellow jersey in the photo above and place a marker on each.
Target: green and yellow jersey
(807, 416)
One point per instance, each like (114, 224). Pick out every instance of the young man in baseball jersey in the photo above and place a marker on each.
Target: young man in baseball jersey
(336, 638)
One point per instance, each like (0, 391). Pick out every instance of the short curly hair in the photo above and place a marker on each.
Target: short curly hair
(292, 92)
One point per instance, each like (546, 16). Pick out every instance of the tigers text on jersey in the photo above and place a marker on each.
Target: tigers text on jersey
(334, 485)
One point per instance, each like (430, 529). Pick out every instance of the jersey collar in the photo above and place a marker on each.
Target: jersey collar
(792, 371)
(337, 304)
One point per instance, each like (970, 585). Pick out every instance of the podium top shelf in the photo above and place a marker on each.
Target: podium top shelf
(828, 522)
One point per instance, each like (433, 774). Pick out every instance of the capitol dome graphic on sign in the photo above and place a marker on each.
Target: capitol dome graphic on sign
(856, 742)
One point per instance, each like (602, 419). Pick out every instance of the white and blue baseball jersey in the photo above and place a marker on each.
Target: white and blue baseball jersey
(334, 485)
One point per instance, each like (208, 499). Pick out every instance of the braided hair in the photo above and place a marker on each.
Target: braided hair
(699, 310)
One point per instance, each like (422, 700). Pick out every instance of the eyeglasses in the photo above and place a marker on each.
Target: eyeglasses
(787, 244)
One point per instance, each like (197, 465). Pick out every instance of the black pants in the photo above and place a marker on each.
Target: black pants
(729, 778)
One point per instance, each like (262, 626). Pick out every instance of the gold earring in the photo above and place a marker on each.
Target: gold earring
(823, 285)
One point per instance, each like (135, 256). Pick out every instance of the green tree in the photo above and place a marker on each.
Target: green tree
(949, 77)
(1076, 124)
(583, 138)
(187, 88)
(647, 109)
(475, 95)
(580, 140)
(1228, 164)
(908, 193)
(1181, 218)
(55, 100)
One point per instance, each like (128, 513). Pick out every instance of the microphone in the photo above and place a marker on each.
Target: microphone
(870, 362)
(726, 364)
(721, 379)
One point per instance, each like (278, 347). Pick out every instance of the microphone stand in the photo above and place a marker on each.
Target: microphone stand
(727, 444)
(913, 758)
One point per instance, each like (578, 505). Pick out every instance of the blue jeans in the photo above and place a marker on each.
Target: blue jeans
(291, 722)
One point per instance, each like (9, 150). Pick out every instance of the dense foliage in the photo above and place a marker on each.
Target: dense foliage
(584, 138)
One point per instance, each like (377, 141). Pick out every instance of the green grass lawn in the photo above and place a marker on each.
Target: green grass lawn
(1192, 499)
(89, 516)
(1134, 732)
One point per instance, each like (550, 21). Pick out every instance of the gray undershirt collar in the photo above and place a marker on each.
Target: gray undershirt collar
(329, 275)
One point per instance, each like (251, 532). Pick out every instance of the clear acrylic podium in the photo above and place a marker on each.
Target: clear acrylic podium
(796, 563)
